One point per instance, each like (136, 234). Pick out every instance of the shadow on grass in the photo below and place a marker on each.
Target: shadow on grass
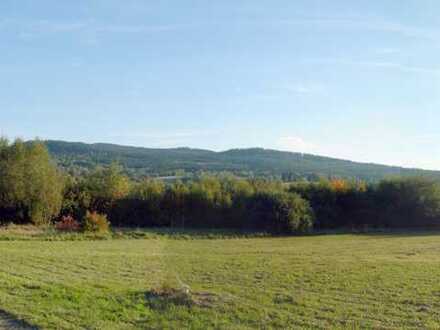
(200, 233)
(10, 322)
(208, 233)
(17, 232)
(385, 232)
(190, 233)
(405, 233)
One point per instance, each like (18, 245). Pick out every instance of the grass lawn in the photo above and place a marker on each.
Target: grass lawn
(331, 281)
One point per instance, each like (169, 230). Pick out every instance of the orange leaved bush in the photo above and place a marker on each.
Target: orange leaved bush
(68, 223)
(96, 223)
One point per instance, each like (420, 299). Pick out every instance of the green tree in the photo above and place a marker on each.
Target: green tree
(174, 203)
(106, 186)
(149, 193)
(77, 198)
(30, 182)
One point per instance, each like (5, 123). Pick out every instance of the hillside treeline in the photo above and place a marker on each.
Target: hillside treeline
(33, 190)
(81, 158)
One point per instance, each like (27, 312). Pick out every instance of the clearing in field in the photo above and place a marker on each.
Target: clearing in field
(337, 281)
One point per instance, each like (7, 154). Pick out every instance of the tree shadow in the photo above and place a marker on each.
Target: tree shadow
(404, 233)
(206, 233)
(191, 233)
(384, 232)
(11, 322)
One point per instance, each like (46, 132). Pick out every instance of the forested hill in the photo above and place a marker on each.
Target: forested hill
(81, 157)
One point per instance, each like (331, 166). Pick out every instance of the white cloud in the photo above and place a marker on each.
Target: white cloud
(296, 144)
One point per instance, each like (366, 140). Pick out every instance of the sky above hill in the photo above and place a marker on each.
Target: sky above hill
(351, 79)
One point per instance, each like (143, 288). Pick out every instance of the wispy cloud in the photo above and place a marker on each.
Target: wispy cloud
(137, 28)
(380, 64)
(387, 51)
(58, 27)
(399, 66)
(346, 23)
(303, 88)
(431, 138)
(360, 23)
(170, 139)
(29, 29)
(298, 89)
(167, 135)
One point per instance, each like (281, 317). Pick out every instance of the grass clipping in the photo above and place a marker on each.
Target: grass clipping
(173, 291)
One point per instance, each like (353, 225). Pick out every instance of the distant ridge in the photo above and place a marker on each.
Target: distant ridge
(78, 157)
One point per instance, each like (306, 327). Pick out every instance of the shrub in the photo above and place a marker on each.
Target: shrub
(68, 223)
(281, 212)
(96, 223)
(300, 216)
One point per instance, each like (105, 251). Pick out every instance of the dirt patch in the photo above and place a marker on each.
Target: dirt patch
(161, 298)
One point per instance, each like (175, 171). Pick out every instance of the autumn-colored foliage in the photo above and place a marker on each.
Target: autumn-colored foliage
(96, 223)
(68, 223)
(339, 185)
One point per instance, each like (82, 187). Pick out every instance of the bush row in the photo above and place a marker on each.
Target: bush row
(207, 202)
(228, 202)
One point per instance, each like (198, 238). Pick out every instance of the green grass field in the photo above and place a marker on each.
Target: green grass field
(333, 281)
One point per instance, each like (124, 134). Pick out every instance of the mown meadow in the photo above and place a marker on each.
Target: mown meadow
(226, 252)
(382, 280)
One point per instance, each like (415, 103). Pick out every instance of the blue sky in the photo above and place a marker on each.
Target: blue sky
(350, 79)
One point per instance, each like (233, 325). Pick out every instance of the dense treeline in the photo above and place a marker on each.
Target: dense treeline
(396, 202)
(33, 190)
(206, 202)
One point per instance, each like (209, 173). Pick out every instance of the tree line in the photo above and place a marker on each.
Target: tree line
(81, 158)
(34, 190)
